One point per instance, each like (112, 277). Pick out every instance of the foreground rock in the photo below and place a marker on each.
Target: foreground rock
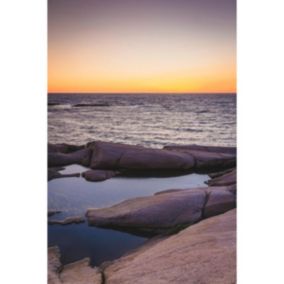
(99, 175)
(74, 273)
(165, 212)
(202, 253)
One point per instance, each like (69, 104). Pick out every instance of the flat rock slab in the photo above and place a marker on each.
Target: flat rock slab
(202, 253)
(164, 212)
(107, 155)
(75, 273)
(225, 179)
(99, 175)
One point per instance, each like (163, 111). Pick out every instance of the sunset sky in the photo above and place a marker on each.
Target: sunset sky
(141, 45)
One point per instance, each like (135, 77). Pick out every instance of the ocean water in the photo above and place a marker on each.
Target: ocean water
(152, 120)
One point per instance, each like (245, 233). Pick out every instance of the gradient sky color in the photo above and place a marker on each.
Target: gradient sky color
(141, 45)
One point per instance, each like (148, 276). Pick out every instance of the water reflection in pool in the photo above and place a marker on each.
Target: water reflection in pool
(73, 196)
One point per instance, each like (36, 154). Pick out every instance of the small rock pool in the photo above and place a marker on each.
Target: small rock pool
(73, 196)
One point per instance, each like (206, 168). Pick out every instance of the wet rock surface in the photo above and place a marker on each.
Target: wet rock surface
(202, 253)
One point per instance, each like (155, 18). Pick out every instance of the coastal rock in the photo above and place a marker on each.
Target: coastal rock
(73, 273)
(164, 212)
(81, 157)
(202, 253)
(225, 179)
(68, 221)
(220, 173)
(99, 175)
(107, 155)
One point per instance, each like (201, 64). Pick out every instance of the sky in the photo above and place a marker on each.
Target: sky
(142, 46)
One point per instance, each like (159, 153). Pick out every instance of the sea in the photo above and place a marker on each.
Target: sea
(152, 120)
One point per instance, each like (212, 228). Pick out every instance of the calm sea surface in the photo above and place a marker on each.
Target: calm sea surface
(146, 119)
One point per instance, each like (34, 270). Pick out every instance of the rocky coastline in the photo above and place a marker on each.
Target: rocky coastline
(192, 232)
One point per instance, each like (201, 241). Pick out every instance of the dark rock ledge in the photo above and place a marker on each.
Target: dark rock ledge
(110, 159)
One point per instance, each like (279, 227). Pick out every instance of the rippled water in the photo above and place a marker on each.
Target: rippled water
(147, 119)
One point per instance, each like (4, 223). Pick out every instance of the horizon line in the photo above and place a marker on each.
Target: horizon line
(131, 93)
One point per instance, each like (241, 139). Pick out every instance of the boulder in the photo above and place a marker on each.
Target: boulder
(81, 157)
(202, 253)
(99, 175)
(107, 155)
(225, 179)
(73, 273)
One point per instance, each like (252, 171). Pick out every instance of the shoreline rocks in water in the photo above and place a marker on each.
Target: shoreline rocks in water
(132, 160)
(202, 253)
(165, 212)
(92, 105)
(73, 273)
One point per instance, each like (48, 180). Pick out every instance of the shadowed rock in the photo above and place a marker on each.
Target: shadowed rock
(226, 179)
(202, 253)
(163, 212)
(73, 273)
(220, 173)
(81, 157)
(99, 175)
(68, 221)
(107, 155)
